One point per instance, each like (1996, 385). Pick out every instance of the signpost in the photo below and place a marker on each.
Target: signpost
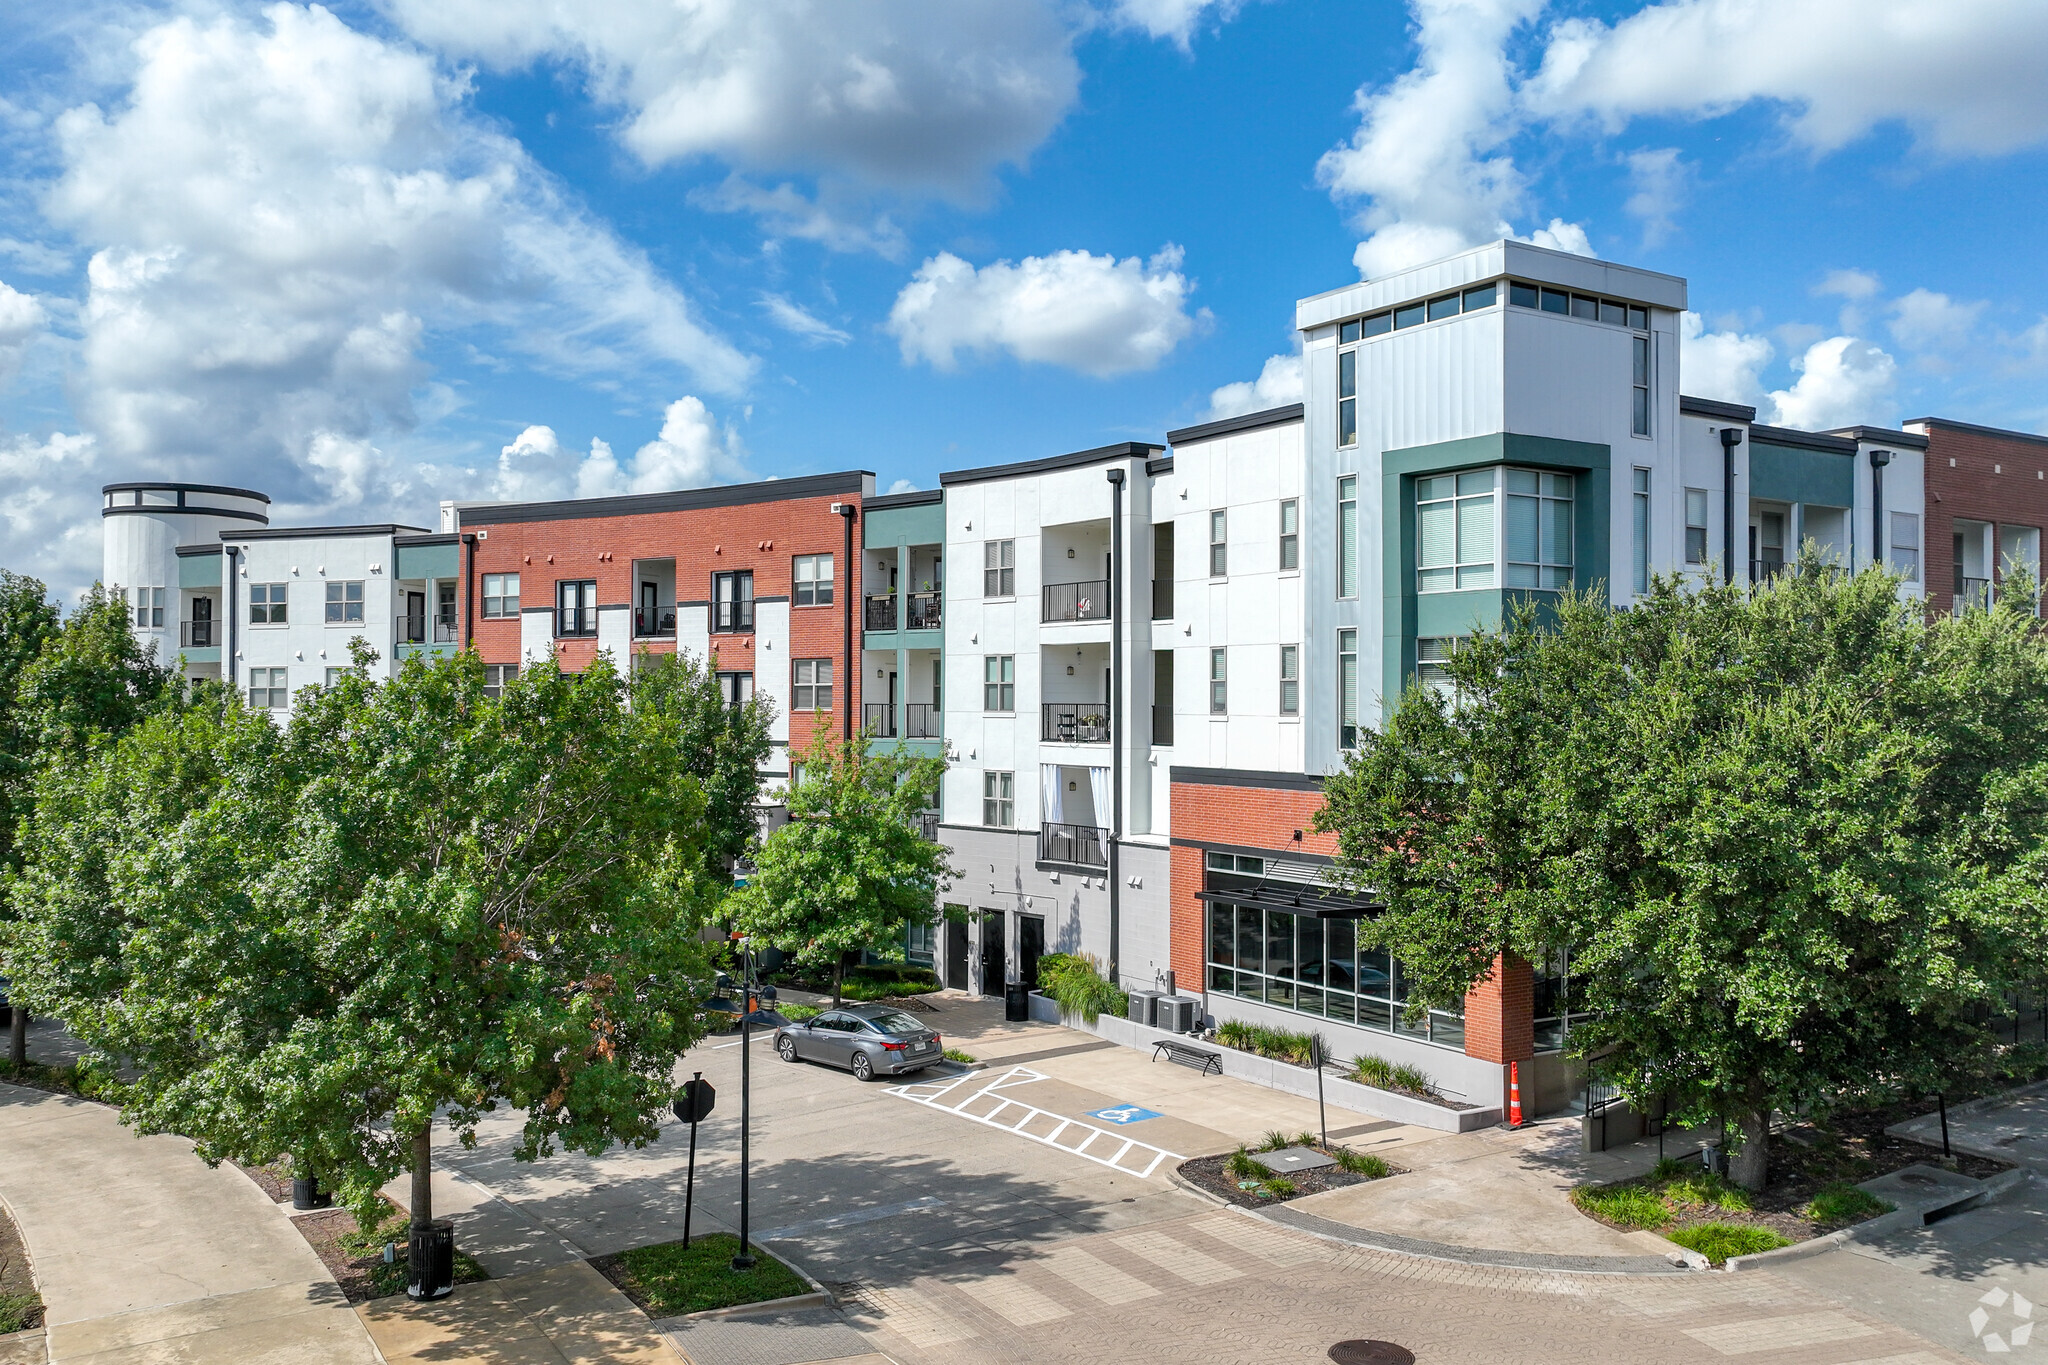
(693, 1108)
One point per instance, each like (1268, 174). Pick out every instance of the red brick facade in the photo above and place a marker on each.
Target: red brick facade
(1978, 474)
(762, 534)
(1500, 1013)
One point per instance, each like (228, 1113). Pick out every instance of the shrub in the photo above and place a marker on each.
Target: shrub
(1274, 1140)
(1075, 983)
(1242, 1165)
(796, 1014)
(18, 1312)
(1841, 1202)
(954, 1054)
(1362, 1163)
(1282, 1045)
(1625, 1206)
(1276, 1187)
(1718, 1241)
(1386, 1075)
(1702, 1189)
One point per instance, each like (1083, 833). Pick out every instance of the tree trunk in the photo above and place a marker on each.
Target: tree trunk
(1750, 1167)
(17, 1038)
(423, 1177)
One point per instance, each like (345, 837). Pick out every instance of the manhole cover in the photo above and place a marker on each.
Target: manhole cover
(1371, 1353)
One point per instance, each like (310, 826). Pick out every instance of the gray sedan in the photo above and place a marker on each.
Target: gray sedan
(868, 1040)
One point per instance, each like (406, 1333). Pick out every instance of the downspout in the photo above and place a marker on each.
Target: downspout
(847, 511)
(1878, 460)
(228, 598)
(1117, 721)
(1731, 437)
(469, 591)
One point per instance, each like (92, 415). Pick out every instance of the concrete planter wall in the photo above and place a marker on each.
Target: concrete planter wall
(1292, 1080)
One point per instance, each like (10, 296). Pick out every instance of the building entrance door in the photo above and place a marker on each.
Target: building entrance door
(956, 956)
(1030, 944)
(992, 954)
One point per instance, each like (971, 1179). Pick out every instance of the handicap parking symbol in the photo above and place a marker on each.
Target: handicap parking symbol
(1123, 1113)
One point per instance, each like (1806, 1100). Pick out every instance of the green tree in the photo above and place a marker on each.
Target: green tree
(413, 900)
(851, 869)
(28, 621)
(723, 747)
(1792, 838)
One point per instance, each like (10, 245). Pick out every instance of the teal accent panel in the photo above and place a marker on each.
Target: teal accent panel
(204, 654)
(427, 651)
(199, 571)
(429, 561)
(1409, 615)
(888, 527)
(1788, 474)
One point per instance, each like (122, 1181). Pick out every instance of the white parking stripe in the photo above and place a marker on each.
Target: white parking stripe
(1144, 1158)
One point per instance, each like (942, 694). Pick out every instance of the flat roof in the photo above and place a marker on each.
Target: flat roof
(1224, 426)
(2030, 437)
(1881, 436)
(144, 485)
(1805, 440)
(1714, 407)
(1080, 459)
(1504, 257)
(317, 532)
(916, 497)
(853, 481)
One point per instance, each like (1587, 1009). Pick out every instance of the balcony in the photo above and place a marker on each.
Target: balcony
(420, 630)
(1075, 845)
(880, 612)
(657, 624)
(1162, 725)
(928, 826)
(199, 634)
(1767, 568)
(924, 611)
(1074, 722)
(1972, 594)
(920, 720)
(1162, 599)
(1084, 601)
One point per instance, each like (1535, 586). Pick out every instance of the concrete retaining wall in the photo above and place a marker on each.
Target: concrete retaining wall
(1292, 1080)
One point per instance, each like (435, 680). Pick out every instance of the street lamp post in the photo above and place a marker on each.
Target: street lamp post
(757, 1006)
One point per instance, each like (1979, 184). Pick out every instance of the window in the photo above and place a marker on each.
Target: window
(1347, 536)
(1445, 307)
(1639, 412)
(736, 688)
(1219, 682)
(1408, 315)
(1311, 966)
(1695, 525)
(999, 568)
(1347, 689)
(1556, 301)
(812, 581)
(1905, 556)
(1430, 657)
(1640, 529)
(732, 601)
(1219, 547)
(999, 800)
(1583, 307)
(1290, 534)
(334, 675)
(1521, 295)
(496, 676)
(1290, 680)
(267, 688)
(147, 610)
(501, 594)
(1455, 531)
(575, 607)
(344, 603)
(811, 685)
(2019, 547)
(266, 604)
(1479, 296)
(1347, 398)
(999, 682)
(1539, 529)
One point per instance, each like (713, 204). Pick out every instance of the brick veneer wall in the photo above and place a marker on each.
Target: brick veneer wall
(1996, 477)
(763, 536)
(1500, 1013)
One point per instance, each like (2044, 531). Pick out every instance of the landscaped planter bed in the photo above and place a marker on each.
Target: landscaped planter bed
(669, 1280)
(1213, 1174)
(21, 1309)
(357, 1261)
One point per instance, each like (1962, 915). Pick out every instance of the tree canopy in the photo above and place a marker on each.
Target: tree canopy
(411, 899)
(28, 621)
(851, 869)
(1791, 837)
(722, 745)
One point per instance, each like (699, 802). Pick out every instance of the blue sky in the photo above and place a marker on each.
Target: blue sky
(368, 257)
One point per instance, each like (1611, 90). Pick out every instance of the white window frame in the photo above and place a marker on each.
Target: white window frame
(999, 684)
(339, 604)
(1219, 542)
(998, 799)
(999, 569)
(273, 606)
(1639, 529)
(810, 579)
(1697, 498)
(1904, 556)
(1290, 535)
(1642, 364)
(810, 685)
(1219, 681)
(275, 692)
(1347, 706)
(1290, 680)
(500, 604)
(496, 676)
(1347, 537)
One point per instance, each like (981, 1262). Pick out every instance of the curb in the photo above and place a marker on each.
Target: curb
(1678, 1263)
(1992, 1190)
(818, 1299)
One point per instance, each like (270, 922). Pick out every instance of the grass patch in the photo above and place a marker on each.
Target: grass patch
(1624, 1206)
(19, 1312)
(1362, 1163)
(81, 1078)
(1841, 1203)
(1718, 1241)
(667, 1280)
(954, 1054)
(1382, 1074)
(796, 1014)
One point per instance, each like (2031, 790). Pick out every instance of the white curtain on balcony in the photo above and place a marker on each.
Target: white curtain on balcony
(1049, 791)
(1098, 787)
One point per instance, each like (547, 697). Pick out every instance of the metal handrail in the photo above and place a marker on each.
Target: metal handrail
(924, 611)
(657, 623)
(1972, 594)
(1077, 845)
(1087, 600)
(1766, 568)
(418, 630)
(1074, 722)
(878, 718)
(198, 634)
(730, 616)
(880, 613)
(921, 720)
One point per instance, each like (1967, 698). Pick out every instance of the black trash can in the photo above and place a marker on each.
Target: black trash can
(430, 1260)
(307, 1194)
(1016, 1001)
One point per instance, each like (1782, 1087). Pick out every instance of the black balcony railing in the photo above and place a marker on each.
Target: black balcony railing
(924, 611)
(1162, 724)
(1075, 722)
(1086, 601)
(878, 718)
(928, 825)
(198, 634)
(1769, 567)
(1075, 845)
(656, 624)
(728, 617)
(574, 622)
(1972, 594)
(920, 720)
(880, 613)
(1162, 599)
(419, 630)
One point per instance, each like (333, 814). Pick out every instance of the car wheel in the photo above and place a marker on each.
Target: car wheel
(863, 1067)
(785, 1048)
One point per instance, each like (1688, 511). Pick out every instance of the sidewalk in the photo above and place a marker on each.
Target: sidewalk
(144, 1254)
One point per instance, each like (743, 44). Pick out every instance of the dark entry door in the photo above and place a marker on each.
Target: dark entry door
(956, 955)
(1030, 943)
(992, 952)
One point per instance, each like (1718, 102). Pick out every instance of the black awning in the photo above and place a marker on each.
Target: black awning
(1319, 902)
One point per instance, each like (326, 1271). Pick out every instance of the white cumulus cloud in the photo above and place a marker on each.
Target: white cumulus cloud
(21, 318)
(1278, 384)
(1723, 365)
(1176, 20)
(1842, 381)
(1095, 314)
(691, 451)
(1926, 321)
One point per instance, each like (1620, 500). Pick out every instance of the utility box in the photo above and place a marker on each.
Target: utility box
(430, 1260)
(1177, 1013)
(1142, 1004)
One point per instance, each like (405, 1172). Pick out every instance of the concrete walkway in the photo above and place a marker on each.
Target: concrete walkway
(144, 1255)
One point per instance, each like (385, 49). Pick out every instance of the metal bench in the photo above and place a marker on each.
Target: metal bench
(1200, 1058)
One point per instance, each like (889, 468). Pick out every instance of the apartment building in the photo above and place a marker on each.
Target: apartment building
(1987, 502)
(160, 552)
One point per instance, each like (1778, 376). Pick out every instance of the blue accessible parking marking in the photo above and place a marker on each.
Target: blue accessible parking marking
(1123, 1113)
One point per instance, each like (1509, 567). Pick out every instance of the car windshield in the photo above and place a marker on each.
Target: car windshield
(896, 1022)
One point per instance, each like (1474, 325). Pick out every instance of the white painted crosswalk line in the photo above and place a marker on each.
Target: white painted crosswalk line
(1009, 1297)
(1780, 1333)
(913, 1316)
(1178, 1258)
(1094, 1276)
(1261, 1239)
